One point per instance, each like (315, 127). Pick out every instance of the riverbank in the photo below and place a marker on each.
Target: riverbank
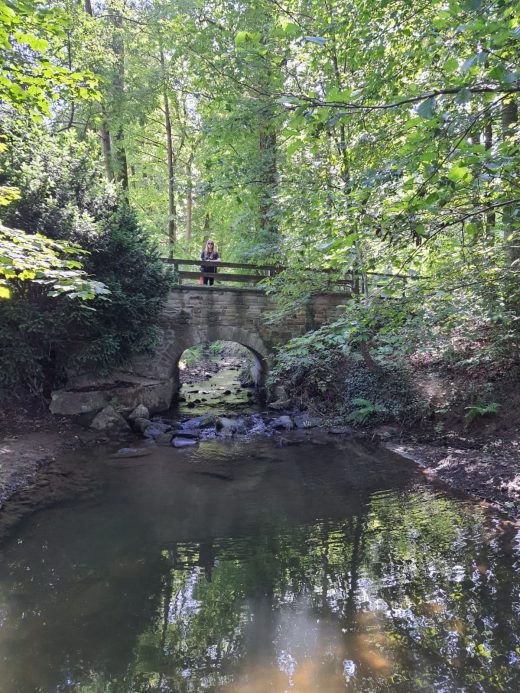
(38, 467)
(35, 446)
(487, 468)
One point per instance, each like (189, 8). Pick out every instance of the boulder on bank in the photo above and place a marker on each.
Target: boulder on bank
(183, 442)
(84, 394)
(140, 425)
(164, 439)
(200, 421)
(283, 423)
(155, 429)
(140, 412)
(110, 421)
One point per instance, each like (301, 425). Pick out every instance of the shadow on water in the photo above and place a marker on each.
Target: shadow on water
(241, 566)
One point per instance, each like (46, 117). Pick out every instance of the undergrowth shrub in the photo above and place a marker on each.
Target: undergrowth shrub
(311, 369)
(391, 394)
(63, 194)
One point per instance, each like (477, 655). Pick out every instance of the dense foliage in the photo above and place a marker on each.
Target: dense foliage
(63, 193)
(362, 138)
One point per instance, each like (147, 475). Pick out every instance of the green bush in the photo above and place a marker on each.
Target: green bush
(192, 356)
(365, 411)
(64, 195)
(311, 369)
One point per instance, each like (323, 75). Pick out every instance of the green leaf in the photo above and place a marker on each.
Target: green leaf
(458, 173)
(289, 28)
(463, 96)
(474, 60)
(243, 38)
(451, 65)
(426, 108)
(483, 651)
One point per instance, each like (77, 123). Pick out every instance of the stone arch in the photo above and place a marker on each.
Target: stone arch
(213, 333)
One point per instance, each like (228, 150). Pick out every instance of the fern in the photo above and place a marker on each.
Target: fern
(480, 409)
(365, 410)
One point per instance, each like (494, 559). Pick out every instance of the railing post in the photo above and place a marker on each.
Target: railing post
(355, 282)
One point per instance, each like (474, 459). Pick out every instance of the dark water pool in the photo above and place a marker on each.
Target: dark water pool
(247, 567)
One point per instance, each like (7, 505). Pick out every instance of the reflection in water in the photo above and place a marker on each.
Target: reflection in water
(303, 568)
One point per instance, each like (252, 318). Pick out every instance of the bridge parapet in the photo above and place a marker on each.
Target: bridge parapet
(243, 273)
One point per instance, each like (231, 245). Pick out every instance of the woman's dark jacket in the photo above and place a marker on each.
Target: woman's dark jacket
(210, 256)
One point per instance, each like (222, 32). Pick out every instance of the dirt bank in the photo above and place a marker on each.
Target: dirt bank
(38, 461)
(487, 468)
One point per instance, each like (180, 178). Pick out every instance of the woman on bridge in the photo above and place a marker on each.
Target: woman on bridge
(209, 253)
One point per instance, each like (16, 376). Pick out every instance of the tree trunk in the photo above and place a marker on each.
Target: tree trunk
(120, 164)
(488, 143)
(104, 133)
(172, 210)
(511, 223)
(268, 178)
(205, 229)
(189, 201)
(121, 160)
(511, 231)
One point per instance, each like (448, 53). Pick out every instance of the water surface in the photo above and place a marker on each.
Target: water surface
(243, 566)
(220, 393)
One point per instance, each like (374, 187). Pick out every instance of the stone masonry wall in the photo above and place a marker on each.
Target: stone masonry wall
(195, 314)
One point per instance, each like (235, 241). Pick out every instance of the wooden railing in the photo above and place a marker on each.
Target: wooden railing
(253, 274)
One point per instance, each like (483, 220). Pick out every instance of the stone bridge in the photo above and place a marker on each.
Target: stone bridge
(192, 315)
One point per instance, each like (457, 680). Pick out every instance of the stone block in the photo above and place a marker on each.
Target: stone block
(284, 423)
(110, 420)
(140, 412)
(123, 395)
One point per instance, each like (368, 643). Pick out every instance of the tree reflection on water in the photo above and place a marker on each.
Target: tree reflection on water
(405, 589)
(394, 598)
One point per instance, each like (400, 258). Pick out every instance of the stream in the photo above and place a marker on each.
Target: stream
(239, 565)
